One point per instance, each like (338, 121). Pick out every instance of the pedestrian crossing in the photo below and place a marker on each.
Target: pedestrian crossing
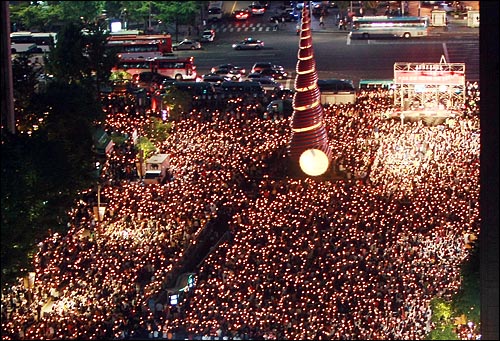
(244, 27)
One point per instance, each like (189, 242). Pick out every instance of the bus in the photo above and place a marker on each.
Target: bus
(44, 40)
(133, 66)
(178, 68)
(333, 91)
(387, 27)
(233, 89)
(164, 39)
(137, 49)
(368, 84)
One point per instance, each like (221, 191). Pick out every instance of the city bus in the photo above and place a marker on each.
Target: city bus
(386, 27)
(137, 49)
(44, 40)
(368, 84)
(179, 68)
(164, 39)
(133, 66)
(335, 91)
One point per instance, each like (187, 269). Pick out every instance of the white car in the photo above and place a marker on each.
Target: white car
(249, 44)
(187, 44)
(208, 35)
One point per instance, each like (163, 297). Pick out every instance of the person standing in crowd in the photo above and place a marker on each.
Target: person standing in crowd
(321, 21)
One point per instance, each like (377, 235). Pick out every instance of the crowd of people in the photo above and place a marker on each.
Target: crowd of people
(360, 257)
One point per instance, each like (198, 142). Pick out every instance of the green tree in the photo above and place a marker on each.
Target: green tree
(178, 12)
(145, 146)
(178, 102)
(81, 58)
(43, 172)
(158, 131)
(25, 81)
(80, 11)
(67, 61)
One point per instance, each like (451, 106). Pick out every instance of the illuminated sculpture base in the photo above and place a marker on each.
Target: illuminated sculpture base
(314, 162)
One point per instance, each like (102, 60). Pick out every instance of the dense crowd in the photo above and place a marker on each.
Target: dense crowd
(356, 258)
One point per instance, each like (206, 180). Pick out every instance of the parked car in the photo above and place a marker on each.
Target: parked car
(208, 35)
(249, 44)
(257, 9)
(151, 80)
(255, 76)
(231, 75)
(268, 83)
(259, 66)
(228, 67)
(319, 8)
(187, 44)
(214, 14)
(241, 14)
(215, 78)
(274, 73)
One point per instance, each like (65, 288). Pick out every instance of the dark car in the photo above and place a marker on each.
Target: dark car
(257, 9)
(267, 83)
(241, 14)
(151, 80)
(230, 75)
(289, 17)
(229, 67)
(274, 73)
(215, 78)
(259, 66)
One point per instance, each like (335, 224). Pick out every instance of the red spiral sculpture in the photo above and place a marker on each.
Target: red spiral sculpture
(308, 130)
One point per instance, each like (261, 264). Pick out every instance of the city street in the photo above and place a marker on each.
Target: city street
(336, 55)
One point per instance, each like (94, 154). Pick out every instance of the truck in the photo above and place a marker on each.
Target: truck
(157, 169)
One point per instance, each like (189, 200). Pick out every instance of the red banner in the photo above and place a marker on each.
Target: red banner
(431, 77)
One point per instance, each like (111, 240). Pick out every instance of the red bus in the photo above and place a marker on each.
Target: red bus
(164, 39)
(141, 46)
(179, 68)
(138, 49)
(133, 66)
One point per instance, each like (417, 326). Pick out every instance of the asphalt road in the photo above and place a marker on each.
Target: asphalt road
(336, 56)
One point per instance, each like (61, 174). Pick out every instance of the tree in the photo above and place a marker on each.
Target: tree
(24, 77)
(81, 58)
(67, 61)
(179, 12)
(43, 172)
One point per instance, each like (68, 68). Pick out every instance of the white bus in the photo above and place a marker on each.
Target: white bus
(44, 40)
(386, 27)
(335, 91)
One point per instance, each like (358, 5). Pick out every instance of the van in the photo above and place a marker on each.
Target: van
(156, 169)
(280, 107)
(214, 14)
(231, 89)
(336, 91)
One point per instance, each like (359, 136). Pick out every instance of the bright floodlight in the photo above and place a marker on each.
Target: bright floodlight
(116, 26)
(313, 162)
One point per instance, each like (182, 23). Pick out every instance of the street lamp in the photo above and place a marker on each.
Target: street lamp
(314, 162)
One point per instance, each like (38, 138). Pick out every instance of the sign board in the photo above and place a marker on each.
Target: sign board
(435, 77)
